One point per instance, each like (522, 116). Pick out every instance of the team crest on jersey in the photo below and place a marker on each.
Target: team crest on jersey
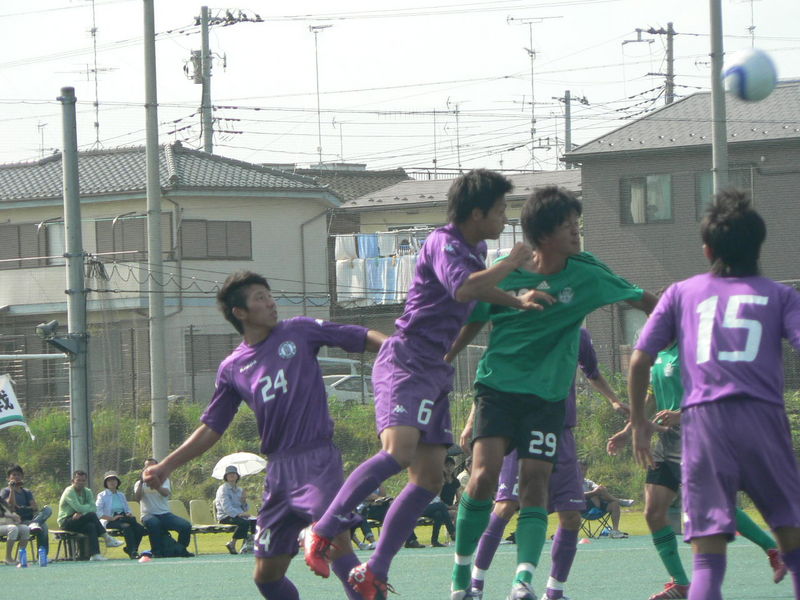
(287, 350)
(566, 295)
(543, 286)
(669, 369)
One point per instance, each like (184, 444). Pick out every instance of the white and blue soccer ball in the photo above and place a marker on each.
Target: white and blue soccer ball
(750, 75)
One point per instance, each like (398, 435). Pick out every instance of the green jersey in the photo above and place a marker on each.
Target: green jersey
(665, 378)
(536, 352)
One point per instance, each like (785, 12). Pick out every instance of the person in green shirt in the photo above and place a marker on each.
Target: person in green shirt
(77, 513)
(664, 481)
(525, 375)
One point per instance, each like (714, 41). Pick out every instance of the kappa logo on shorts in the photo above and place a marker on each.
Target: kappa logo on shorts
(287, 350)
(503, 486)
(399, 410)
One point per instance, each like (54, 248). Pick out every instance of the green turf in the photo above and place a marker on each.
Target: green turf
(604, 569)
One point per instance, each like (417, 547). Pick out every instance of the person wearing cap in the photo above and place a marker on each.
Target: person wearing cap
(115, 514)
(230, 504)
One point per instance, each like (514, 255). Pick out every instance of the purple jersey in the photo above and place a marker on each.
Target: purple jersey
(729, 331)
(432, 314)
(281, 381)
(587, 360)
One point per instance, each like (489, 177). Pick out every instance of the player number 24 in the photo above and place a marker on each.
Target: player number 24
(708, 309)
(270, 385)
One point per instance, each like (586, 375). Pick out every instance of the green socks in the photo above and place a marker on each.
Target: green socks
(667, 547)
(471, 521)
(531, 534)
(747, 527)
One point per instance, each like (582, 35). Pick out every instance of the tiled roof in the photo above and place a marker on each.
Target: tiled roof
(426, 192)
(123, 170)
(353, 184)
(688, 123)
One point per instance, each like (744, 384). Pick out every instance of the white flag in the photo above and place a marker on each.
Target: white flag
(10, 410)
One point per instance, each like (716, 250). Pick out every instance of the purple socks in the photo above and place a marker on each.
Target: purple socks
(792, 561)
(283, 589)
(487, 547)
(342, 567)
(565, 546)
(397, 526)
(707, 575)
(367, 477)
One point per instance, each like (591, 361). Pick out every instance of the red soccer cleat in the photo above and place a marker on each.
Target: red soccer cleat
(365, 583)
(776, 562)
(672, 591)
(317, 552)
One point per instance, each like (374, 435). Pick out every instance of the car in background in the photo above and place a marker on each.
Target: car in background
(349, 388)
(340, 366)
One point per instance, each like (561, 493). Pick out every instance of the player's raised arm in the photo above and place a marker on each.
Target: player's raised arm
(646, 304)
(196, 444)
(374, 340)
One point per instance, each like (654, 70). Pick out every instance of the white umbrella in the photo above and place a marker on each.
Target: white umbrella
(246, 462)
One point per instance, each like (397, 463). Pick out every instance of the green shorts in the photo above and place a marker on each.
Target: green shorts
(533, 424)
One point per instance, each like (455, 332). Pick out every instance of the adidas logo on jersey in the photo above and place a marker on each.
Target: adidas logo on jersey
(543, 286)
(399, 410)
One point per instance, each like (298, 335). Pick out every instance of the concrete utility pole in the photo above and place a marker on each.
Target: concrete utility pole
(719, 129)
(567, 100)
(155, 297)
(669, 76)
(205, 106)
(79, 418)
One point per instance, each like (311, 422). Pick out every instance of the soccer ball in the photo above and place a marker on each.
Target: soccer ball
(750, 75)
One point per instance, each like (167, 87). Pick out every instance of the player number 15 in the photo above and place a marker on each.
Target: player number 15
(708, 310)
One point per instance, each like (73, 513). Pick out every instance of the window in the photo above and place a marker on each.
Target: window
(632, 323)
(127, 236)
(21, 242)
(56, 243)
(204, 352)
(216, 239)
(646, 199)
(738, 177)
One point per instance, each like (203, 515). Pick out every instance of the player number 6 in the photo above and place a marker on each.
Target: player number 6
(425, 412)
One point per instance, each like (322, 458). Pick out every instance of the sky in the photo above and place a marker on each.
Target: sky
(401, 83)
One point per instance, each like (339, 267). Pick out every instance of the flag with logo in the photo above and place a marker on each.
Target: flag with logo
(10, 410)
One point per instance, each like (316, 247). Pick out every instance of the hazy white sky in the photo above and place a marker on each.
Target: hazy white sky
(392, 74)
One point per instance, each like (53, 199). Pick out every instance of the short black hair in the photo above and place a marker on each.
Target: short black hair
(545, 209)
(15, 469)
(79, 473)
(233, 294)
(479, 188)
(734, 232)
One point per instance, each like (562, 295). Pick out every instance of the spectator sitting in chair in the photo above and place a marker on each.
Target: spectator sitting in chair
(115, 513)
(230, 505)
(23, 503)
(373, 508)
(158, 518)
(77, 513)
(14, 530)
(599, 497)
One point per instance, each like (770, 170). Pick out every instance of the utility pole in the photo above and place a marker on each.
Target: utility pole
(435, 157)
(205, 65)
(315, 29)
(567, 100)
(79, 417)
(719, 129)
(669, 76)
(158, 376)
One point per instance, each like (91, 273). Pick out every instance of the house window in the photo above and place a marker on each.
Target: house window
(632, 324)
(21, 246)
(739, 178)
(204, 352)
(221, 240)
(646, 199)
(56, 244)
(127, 237)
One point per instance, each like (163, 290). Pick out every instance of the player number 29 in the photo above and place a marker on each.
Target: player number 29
(543, 444)
(270, 384)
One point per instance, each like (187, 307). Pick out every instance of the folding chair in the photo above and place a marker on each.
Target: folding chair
(203, 522)
(594, 521)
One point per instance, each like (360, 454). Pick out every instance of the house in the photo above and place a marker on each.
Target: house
(646, 186)
(218, 215)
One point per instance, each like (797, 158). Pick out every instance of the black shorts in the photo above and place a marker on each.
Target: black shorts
(667, 474)
(533, 424)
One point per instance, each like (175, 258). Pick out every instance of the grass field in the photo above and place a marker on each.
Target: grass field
(604, 570)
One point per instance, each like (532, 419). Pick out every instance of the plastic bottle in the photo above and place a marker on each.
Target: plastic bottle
(23, 558)
(42, 556)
